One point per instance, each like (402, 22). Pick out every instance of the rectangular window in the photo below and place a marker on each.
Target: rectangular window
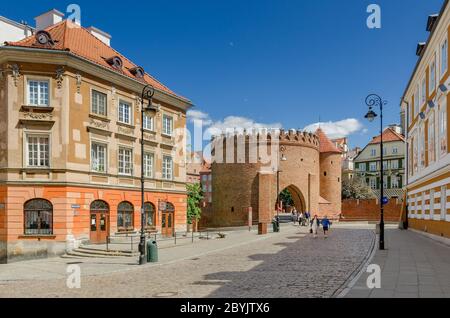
(385, 165)
(124, 113)
(373, 152)
(38, 93)
(415, 155)
(444, 57)
(394, 182)
(125, 161)
(423, 92)
(421, 147)
(98, 157)
(167, 169)
(433, 75)
(148, 165)
(373, 166)
(395, 150)
(98, 103)
(167, 125)
(394, 164)
(416, 102)
(373, 183)
(148, 122)
(431, 138)
(38, 151)
(443, 129)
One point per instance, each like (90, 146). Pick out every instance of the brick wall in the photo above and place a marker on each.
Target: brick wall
(369, 210)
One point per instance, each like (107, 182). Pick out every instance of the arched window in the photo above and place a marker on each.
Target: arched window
(99, 206)
(38, 217)
(125, 213)
(169, 207)
(149, 210)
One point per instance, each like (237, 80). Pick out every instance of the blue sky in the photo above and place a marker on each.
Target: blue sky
(287, 62)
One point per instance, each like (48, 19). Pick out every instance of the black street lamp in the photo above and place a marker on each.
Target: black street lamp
(147, 93)
(283, 158)
(373, 100)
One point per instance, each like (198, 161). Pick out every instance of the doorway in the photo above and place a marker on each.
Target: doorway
(99, 222)
(168, 220)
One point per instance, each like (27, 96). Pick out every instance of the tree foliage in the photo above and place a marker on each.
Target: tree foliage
(286, 198)
(356, 188)
(195, 197)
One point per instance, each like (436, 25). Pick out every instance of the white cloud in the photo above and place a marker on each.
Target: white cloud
(195, 115)
(338, 129)
(229, 123)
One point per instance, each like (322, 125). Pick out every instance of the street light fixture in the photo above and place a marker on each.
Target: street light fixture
(283, 158)
(147, 94)
(373, 100)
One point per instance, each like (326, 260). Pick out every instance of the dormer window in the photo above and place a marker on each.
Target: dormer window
(115, 62)
(44, 38)
(137, 71)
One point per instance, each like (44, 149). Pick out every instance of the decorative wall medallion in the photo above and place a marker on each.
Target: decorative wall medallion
(149, 136)
(59, 76)
(98, 124)
(37, 116)
(124, 130)
(79, 79)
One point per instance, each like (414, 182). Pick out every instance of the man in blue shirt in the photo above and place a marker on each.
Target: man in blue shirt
(326, 225)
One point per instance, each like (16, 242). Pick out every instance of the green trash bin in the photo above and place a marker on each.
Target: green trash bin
(274, 225)
(152, 252)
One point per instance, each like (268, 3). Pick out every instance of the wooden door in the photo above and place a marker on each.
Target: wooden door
(99, 227)
(167, 224)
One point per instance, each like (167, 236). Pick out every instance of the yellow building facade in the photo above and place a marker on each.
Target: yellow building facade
(426, 117)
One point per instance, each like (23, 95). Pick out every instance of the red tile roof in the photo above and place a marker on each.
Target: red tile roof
(325, 144)
(71, 37)
(388, 135)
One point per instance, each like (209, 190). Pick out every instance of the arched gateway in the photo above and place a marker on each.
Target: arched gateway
(249, 169)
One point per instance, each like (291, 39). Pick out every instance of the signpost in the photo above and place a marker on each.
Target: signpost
(250, 218)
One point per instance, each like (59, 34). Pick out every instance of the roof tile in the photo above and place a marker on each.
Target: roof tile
(69, 36)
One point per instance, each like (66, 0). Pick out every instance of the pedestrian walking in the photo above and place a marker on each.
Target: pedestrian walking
(314, 226)
(300, 219)
(325, 225)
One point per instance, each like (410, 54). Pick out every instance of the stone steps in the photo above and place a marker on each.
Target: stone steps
(92, 252)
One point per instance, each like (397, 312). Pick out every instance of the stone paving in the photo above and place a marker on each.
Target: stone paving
(286, 264)
(412, 266)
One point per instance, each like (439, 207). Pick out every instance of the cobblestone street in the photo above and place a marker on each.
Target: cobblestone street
(288, 264)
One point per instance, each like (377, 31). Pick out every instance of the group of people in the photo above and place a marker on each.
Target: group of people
(304, 219)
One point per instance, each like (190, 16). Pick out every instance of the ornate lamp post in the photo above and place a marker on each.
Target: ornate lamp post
(283, 158)
(147, 94)
(373, 100)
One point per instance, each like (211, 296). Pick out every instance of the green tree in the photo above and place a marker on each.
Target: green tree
(356, 188)
(195, 197)
(286, 198)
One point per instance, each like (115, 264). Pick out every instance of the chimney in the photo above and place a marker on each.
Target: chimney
(397, 128)
(48, 19)
(99, 34)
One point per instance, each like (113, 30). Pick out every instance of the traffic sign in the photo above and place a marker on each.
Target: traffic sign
(385, 200)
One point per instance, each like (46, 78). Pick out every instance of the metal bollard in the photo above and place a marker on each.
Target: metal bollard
(175, 238)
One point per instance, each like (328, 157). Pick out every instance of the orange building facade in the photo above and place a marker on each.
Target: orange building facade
(70, 146)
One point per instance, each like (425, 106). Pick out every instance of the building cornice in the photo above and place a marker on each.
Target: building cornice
(66, 58)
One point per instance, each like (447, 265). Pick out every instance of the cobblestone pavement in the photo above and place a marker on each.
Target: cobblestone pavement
(287, 264)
